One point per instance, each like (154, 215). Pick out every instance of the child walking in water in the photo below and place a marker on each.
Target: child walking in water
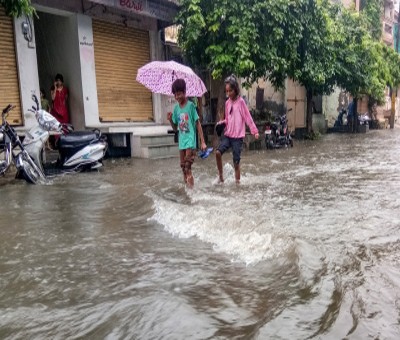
(186, 120)
(236, 116)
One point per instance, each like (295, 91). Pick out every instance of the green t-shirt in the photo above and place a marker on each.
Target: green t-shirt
(185, 118)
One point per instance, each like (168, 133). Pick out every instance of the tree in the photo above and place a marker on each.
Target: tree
(365, 65)
(313, 66)
(249, 38)
(16, 8)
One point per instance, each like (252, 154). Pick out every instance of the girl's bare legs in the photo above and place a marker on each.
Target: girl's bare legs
(218, 158)
(237, 173)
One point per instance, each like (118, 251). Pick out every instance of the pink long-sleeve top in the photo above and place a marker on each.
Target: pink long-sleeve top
(236, 116)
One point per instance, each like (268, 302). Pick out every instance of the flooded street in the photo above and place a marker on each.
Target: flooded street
(308, 246)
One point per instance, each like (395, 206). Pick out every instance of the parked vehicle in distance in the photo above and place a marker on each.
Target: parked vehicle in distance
(277, 134)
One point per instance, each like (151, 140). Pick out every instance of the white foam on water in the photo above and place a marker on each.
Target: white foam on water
(231, 222)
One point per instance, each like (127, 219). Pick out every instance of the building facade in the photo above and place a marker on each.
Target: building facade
(98, 46)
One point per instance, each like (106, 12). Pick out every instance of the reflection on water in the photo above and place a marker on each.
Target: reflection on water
(306, 247)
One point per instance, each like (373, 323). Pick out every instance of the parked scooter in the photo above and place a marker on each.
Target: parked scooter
(277, 134)
(364, 118)
(78, 151)
(13, 151)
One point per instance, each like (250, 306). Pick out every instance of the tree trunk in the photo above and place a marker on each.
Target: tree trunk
(309, 114)
(354, 119)
(220, 108)
(221, 101)
(393, 107)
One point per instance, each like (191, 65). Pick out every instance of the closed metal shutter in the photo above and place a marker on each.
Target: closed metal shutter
(9, 86)
(119, 52)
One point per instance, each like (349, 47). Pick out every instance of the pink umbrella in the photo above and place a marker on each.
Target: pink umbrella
(158, 77)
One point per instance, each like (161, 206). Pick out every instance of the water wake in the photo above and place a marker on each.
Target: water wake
(223, 216)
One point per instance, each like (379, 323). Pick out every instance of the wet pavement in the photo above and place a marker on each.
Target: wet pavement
(306, 247)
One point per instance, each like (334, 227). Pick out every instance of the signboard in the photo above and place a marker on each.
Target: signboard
(144, 7)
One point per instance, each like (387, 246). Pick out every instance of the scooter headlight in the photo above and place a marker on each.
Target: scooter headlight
(1, 137)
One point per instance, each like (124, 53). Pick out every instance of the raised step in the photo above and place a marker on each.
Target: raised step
(160, 151)
(153, 146)
(156, 140)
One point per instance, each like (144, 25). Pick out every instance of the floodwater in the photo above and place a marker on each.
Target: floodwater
(307, 247)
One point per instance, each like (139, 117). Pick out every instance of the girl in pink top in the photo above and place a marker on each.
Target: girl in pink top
(237, 116)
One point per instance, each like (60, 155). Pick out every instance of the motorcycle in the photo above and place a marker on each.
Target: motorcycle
(341, 119)
(277, 134)
(12, 150)
(77, 150)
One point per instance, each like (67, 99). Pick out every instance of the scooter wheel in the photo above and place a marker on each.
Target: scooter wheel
(28, 171)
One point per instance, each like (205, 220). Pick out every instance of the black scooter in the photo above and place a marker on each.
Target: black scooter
(277, 134)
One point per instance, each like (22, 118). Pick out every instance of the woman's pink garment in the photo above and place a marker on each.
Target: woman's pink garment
(60, 110)
(236, 116)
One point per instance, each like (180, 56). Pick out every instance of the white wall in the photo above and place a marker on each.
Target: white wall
(88, 71)
(27, 69)
(160, 107)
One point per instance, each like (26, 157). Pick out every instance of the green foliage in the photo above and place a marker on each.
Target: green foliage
(371, 11)
(250, 38)
(316, 42)
(365, 66)
(313, 66)
(16, 8)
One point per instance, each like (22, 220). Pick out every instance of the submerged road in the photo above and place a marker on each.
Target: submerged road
(308, 246)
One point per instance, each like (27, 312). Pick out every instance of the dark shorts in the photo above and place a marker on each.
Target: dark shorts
(235, 144)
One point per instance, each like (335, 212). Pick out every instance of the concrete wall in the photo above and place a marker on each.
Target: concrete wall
(332, 104)
(160, 102)
(27, 69)
(88, 85)
(271, 96)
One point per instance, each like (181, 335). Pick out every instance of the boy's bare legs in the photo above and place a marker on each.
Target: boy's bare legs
(187, 158)
(218, 158)
(189, 179)
(237, 173)
(182, 155)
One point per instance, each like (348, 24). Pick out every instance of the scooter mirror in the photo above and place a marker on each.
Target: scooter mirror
(34, 98)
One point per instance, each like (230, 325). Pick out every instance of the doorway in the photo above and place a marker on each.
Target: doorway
(57, 50)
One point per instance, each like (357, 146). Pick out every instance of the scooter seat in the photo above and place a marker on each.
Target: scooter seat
(77, 139)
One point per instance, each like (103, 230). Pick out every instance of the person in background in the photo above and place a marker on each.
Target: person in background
(186, 120)
(59, 96)
(237, 115)
(44, 103)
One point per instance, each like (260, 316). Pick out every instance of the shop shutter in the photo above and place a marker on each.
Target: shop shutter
(9, 86)
(119, 52)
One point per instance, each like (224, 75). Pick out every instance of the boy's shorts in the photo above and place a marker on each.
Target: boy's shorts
(235, 144)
